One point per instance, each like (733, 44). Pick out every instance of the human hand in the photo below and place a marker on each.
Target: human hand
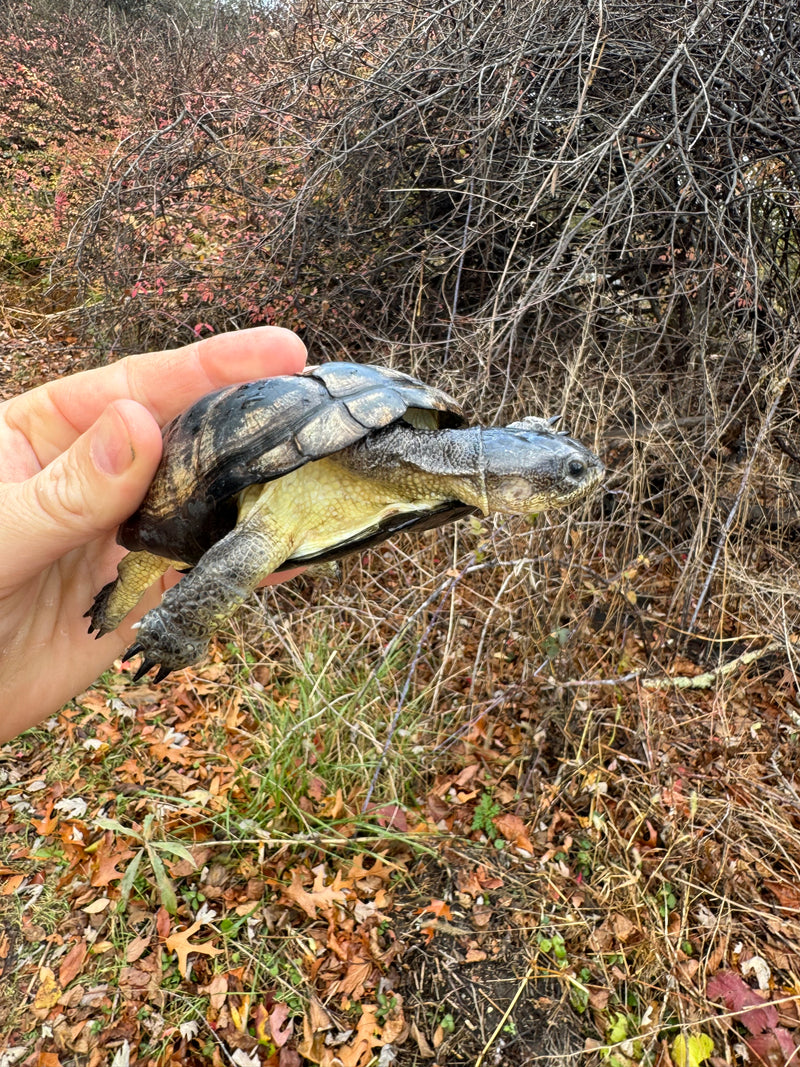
(76, 458)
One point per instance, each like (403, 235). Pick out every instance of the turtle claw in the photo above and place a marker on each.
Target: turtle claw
(98, 613)
(161, 642)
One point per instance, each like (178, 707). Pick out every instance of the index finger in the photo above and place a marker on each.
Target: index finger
(166, 383)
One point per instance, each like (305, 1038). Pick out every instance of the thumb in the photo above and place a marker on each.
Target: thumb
(87, 491)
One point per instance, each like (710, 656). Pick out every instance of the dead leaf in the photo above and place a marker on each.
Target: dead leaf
(96, 906)
(137, 947)
(775, 1048)
(358, 1052)
(163, 922)
(788, 895)
(47, 824)
(179, 944)
(280, 1025)
(599, 997)
(48, 992)
(72, 963)
(321, 898)
(622, 927)
(513, 829)
(425, 1049)
(107, 866)
(216, 989)
(355, 979)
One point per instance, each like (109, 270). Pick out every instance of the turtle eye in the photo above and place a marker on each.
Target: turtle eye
(576, 468)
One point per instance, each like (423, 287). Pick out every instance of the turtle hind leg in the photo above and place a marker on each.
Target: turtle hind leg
(136, 572)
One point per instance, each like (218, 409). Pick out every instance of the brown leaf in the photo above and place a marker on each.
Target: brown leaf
(358, 1051)
(788, 895)
(425, 1049)
(136, 948)
(513, 829)
(355, 979)
(622, 927)
(321, 897)
(216, 989)
(179, 944)
(163, 922)
(598, 997)
(72, 963)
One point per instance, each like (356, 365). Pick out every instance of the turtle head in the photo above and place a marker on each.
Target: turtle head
(528, 466)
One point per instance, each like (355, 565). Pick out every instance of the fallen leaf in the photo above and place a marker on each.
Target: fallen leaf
(743, 1001)
(137, 947)
(774, 1048)
(513, 829)
(179, 944)
(280, 1025)
(72, 963)
(321, 898)
(96, 906)
(216, 989)
(47, 824)
(622, 927)
(689, 1050)
(107, 867)
(358, 1051)
(788, 895)
(48, 992)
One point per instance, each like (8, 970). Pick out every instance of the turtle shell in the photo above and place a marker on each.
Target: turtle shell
(252, 433)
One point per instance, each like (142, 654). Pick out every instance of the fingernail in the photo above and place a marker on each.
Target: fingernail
(111, 446)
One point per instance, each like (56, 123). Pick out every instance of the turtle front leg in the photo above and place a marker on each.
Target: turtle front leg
(177, 632)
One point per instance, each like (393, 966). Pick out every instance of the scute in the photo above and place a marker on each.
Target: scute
(252, 433)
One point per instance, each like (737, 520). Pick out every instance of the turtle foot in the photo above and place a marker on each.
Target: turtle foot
(163, 644)
(100, 624)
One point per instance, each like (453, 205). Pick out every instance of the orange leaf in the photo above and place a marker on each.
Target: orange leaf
(47, 824)
(180, 944)
(12, 884)
(107, 866)
(439, 908)
(72, 963)
(512, 828)
(358, 1052)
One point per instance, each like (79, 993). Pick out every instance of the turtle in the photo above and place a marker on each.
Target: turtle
(302, 469)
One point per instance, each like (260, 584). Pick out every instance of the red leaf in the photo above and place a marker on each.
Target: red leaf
(746, 1004)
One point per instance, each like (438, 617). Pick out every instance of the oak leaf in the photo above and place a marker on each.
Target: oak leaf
(322, 897)
(180, 944)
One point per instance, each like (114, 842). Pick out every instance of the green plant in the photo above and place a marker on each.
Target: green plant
(152, 848)
(486, 810)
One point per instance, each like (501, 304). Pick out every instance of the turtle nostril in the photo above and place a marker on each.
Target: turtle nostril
(576, 468)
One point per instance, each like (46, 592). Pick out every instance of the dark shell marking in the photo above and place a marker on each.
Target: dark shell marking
(252, 433)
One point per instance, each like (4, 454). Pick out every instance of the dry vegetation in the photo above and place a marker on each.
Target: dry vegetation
(505, 793)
